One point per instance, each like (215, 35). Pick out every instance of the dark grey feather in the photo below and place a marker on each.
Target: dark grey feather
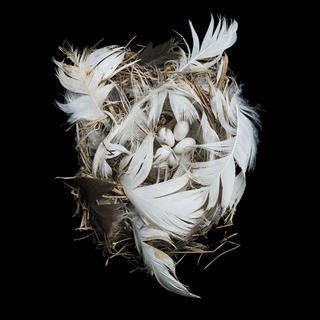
(103, 215)
(159, 54)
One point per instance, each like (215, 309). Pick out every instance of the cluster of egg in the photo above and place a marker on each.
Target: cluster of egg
(172, 145)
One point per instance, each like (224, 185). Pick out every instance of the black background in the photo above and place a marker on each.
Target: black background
(70, 276)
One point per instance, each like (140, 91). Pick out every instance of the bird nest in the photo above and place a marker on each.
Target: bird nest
(164, 142)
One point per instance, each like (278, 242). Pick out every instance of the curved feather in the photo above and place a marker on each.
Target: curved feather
(182, 107)
(157, 262)
(215, 42)
(166, 206)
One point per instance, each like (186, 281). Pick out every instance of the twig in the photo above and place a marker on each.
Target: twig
(82, 238)
(114, 197)
(221, 254)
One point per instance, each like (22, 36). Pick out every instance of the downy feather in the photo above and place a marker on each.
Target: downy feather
(85, 78)
(83, 107)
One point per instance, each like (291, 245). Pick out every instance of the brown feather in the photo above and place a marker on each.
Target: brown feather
(103, 215)
(92, 189)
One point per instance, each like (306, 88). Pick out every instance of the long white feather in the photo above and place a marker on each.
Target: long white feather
(157, 262)
(140, 165)
(182, 107)
(208, 135)
(164, 204)
(214, 44)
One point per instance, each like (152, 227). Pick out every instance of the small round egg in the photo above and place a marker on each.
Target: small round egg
(181, 130)
(173, 160)
(166, 136)
(184, 143)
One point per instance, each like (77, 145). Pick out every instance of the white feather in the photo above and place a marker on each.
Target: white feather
(155, 109)
(222, 110)
(133, 128)
(213, 44)
(181, 106)
(83, 107)
(157, 262)
(85, 78)
(166, 206)
(208, 135)
(184, 165)
(238, 189)
(140, 165)
(108, 152)
(220, 65)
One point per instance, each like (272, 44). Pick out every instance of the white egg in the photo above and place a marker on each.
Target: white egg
(181, 130)
(173, 159)
(186, 142)
(166, 136)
